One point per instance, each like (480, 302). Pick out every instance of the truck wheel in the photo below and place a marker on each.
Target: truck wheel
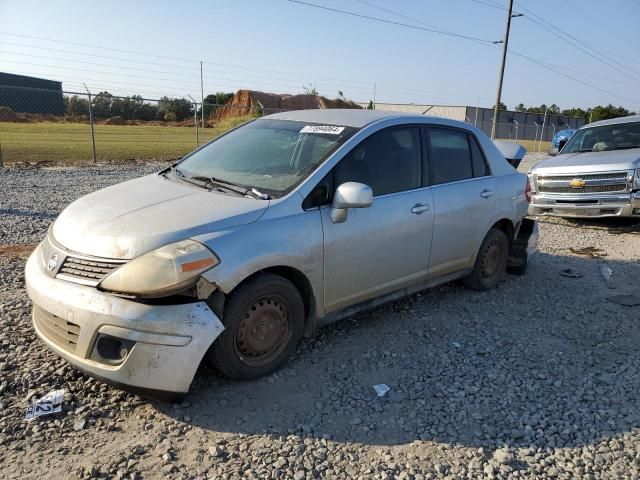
(491, 262)
(263, 320)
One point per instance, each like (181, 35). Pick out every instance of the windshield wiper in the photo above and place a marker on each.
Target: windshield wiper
(232, 186)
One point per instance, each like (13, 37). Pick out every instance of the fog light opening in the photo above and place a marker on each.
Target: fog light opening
(112, 350)
(636, 211)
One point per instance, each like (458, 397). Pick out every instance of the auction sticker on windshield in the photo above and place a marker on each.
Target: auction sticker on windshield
(330, 129)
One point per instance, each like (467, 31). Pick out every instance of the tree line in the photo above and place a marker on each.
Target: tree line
(134, 107)
(592, 114)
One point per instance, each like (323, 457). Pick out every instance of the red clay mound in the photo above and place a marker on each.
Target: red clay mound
(246, 102)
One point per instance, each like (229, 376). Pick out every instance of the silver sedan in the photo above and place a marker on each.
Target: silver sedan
(284, 224)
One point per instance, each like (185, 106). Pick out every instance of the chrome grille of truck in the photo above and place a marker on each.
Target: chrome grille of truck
(587, 183)
(61, 332)
(618, 187)
(586, 176)
(85, 271)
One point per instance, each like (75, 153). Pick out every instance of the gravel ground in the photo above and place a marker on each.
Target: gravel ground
(538, 378)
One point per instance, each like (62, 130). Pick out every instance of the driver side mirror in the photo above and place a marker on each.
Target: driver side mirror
(350, 195)
(553, 151)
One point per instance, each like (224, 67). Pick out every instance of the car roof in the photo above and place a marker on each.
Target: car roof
(613, 121)
(340, 116)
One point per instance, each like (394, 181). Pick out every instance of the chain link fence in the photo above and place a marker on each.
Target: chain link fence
(58, 126)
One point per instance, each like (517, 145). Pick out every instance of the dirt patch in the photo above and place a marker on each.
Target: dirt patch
(8, 115)
(115, 121)
(245, 102)
(16, 250)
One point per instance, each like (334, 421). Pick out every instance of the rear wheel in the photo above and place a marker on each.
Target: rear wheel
(491, 262)
(264, 320)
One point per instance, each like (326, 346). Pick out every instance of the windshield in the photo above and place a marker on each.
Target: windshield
(607, 137)
(271, 156)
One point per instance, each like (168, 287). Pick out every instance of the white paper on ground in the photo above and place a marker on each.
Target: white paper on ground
(50, 403)
(381, 389)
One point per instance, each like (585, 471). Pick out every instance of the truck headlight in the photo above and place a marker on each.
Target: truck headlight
(636, 180)
(161, 272)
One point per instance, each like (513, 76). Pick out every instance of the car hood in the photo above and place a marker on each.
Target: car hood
(590, 162)
(126, 220)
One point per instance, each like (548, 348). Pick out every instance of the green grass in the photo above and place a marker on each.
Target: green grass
(531, 145)
(71, 142)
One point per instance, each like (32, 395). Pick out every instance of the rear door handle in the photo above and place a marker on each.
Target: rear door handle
(486, 193)
(418, 208)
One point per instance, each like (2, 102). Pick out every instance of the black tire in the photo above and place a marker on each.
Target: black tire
(264, 321)
(491, 262)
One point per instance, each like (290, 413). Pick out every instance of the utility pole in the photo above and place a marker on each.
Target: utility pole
(374, 95)
(201, 97)
(195, 119)
(93, 133)
(505, 46)
(544, 122)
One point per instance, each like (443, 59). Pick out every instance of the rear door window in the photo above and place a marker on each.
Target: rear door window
(450, 158)
(480, 168)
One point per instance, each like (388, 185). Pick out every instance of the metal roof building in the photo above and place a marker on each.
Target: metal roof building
(31, 94)
(511, 124)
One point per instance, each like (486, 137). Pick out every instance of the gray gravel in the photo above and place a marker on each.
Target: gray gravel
(538, 378)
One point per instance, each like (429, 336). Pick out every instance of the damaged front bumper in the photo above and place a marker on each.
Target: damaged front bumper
(148, 347)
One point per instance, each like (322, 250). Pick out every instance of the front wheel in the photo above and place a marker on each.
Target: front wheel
(264, 321)
(491, 262)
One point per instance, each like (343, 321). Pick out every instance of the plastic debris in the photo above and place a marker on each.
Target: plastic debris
(607, 274)
(381, 389)
(626, 300)
(456, 344)
(592, 252)
(50, 403)
(567, 272)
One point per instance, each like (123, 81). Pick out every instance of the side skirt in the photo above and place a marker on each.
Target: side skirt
(390, 297)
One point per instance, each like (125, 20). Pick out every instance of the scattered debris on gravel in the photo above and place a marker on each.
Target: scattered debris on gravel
(539, 378)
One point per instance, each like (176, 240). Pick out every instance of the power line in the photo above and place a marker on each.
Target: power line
(164, 72)
(570, 39)
(492, 5)
(392, 22)
(138, 53)
(543, 65)
(531, 59)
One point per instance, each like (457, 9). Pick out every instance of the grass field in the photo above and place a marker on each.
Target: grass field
(71, 142)
(532, 145)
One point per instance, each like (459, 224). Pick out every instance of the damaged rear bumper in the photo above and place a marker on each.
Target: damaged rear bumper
(148, 347)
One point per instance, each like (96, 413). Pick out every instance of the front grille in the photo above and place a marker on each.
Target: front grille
(586, 177)
(617, 187)
(86, 271)
(61, 332)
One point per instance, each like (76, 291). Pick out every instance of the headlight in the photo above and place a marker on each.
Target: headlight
(163, 271)
(636, 180)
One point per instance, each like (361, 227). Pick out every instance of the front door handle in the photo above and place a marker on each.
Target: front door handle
(418, 208)
(486, 193)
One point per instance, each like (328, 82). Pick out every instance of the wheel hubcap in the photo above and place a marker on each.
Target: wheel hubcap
(491, 259)
(263, 332)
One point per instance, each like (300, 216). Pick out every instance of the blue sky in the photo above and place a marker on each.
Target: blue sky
(276, 45)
